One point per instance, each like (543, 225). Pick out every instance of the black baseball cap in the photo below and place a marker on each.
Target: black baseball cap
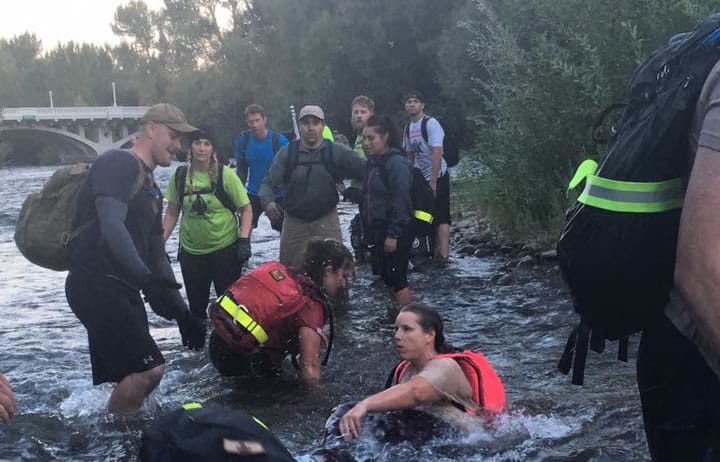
(414, 94)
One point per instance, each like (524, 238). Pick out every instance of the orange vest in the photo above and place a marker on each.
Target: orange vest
(487, 388)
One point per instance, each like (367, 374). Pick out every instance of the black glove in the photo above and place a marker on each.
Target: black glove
(352, 194)
(164, 297)
(192, 330)
(275, 214)
(243, 249)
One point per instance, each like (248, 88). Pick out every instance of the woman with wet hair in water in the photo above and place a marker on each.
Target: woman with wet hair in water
(432, 376)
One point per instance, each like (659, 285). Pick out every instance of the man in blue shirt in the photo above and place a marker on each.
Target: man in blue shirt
(254, 152)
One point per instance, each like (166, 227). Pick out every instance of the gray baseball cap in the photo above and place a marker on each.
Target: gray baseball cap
(315, 111)
(167, 114)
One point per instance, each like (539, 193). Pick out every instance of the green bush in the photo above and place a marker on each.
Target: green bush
(544, 70)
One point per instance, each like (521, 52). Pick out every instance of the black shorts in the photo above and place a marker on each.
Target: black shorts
(441, 215)
(116, 322)
(680, 395)
(392, 266)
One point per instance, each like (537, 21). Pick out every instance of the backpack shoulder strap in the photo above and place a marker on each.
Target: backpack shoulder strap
(423, 128)
(180, 176)
(391, 376)
(140, 179)
(396, 373)
(275, 142)
(221, 193)
(292, 159)
(244, 143)
(329, 161)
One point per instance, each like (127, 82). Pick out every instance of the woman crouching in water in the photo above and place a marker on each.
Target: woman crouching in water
(275, 310)
(433, 376)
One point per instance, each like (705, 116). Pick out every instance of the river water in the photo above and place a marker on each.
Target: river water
(521, 328)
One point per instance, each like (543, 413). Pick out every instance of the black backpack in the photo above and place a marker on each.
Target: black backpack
(617, 247)
(327, 161)
(216, 188)
(451, 150)
(213, 434)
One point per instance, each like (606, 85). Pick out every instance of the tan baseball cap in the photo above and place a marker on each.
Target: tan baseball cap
(315, 111)
(167, 114)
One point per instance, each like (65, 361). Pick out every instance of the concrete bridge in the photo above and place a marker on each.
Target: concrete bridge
(68, 134)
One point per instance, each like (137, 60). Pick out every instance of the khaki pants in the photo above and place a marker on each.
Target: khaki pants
(296, 233)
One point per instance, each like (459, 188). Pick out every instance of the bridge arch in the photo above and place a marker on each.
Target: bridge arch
(70, 144)
(123, 143)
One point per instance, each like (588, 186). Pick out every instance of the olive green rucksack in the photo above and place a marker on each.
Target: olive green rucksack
(46, 225)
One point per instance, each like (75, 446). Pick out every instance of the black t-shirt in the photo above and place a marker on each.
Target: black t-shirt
(113, 174)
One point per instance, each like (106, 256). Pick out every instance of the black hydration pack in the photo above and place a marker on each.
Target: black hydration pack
(213, 434)
(218, 189)
(327, 161)
(617, 247)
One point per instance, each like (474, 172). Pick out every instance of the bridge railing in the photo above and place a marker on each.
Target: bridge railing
(71, 113)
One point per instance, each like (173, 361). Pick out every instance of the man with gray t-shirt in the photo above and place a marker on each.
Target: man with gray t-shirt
(423, 141)
(679, 355)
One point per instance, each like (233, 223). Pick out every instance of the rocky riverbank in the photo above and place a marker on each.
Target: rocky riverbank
(473, 237)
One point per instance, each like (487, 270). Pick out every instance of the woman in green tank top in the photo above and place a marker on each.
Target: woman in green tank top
(215, 225)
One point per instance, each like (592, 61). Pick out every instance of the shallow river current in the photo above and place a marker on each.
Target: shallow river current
(521, 328)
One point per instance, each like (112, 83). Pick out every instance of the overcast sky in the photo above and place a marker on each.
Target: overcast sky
(56, 21)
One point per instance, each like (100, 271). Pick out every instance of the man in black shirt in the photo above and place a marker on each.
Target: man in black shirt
(122, 252)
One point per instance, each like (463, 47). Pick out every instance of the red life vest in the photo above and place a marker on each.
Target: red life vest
(246, 315)
(488, 390)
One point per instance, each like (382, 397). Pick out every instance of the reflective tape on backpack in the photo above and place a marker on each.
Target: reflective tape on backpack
(240, 314)
(627, 196)
(260, 422)
(423, 216)
(190, 406)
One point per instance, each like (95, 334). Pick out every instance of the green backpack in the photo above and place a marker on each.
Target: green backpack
(46, 225)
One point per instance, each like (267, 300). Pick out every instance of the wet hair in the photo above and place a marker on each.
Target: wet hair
(365, 101)
(386, 125)
(321, 253)
(430, 320)
(254, 109)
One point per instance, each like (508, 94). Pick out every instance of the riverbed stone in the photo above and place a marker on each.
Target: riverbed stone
(467, 250)
(525, 262)
(505, 279)
(531, 247)
(483, 252)
(549, 255)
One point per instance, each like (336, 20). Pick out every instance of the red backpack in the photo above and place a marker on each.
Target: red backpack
(248, 312)
(487, 388)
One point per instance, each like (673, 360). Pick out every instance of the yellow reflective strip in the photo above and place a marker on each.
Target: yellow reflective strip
(586, 168)
(240, 315)
(636, 186)
(423, 216)
(328, 134)
(630, 207)
(189, 406)
(260, 422)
